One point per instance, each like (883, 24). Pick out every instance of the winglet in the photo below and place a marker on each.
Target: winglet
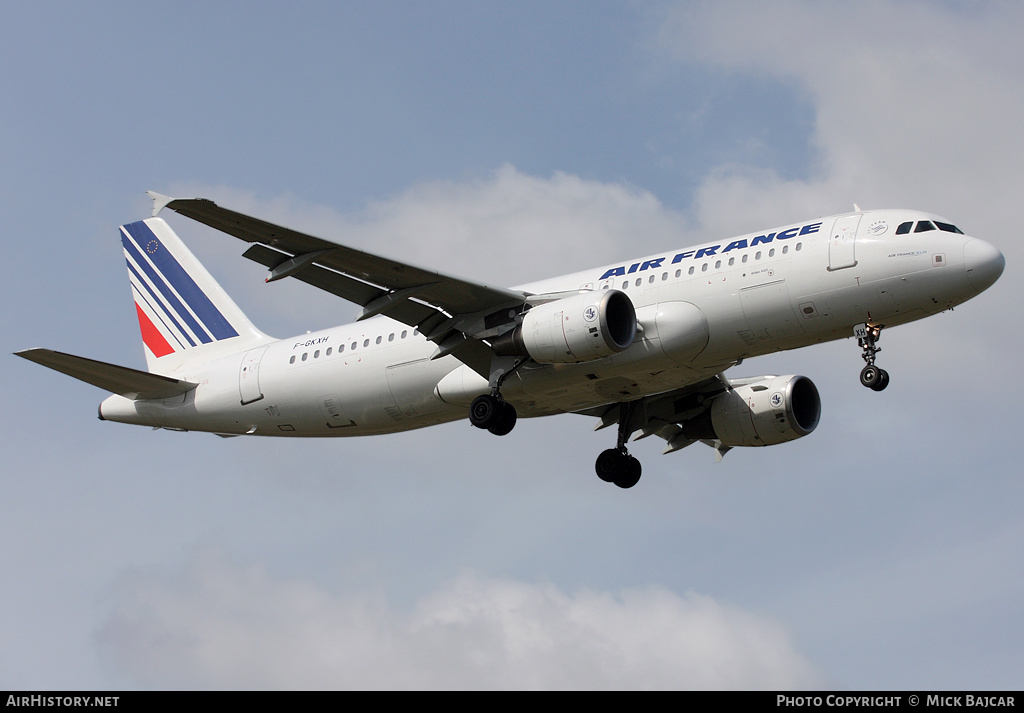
(160, 201)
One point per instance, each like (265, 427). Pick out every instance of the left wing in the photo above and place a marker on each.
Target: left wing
(453, 313)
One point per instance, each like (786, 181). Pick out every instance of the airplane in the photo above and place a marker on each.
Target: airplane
(642, 345)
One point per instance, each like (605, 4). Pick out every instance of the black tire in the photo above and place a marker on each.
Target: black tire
(883, 380)
(611, 465)
(485, 411)
(632, 475)
(506, 420)
(870, 376)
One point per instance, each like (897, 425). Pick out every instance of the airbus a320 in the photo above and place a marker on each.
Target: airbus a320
(642, 346)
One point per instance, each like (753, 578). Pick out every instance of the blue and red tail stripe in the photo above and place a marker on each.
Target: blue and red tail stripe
(166, 296)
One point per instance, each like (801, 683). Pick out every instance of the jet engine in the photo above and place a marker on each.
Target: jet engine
(773, 410)
(584, 327)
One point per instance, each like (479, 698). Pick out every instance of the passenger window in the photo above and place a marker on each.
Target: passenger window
(292, 360)
(745, 256)
(664, 276)
(785, 249)
(638, 281)
(718, 264)
(404, 331)
(379, 339)
(732, 261)
(329, 350)
(679, 273)
(366, 342)
(304, 355)
(704, 267)
(757, 255)
(391, 337)
(924, 226)
(799, 245)
(316, 354)
(904, 228)
(354, 345)
(771, 253)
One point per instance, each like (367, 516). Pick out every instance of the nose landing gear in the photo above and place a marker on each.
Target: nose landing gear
(871, 376)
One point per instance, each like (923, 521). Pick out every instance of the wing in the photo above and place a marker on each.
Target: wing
(130, 383)
(453, 313)
(662, 415)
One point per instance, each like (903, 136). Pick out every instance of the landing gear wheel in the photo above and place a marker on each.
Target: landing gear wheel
(615, 465)
(610, 464)
(506, 420)
(883, 381)
(493, 414)
(632, 475)
(485, 411)
(871, 376)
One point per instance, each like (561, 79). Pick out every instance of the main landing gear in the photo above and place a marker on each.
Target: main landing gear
(490, 411)
(871, 376)
(493, 413)
(615, 465)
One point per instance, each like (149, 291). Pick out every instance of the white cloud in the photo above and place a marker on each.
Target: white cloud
(216, 625)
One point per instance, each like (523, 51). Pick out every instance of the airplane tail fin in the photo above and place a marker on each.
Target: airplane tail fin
(183, 313)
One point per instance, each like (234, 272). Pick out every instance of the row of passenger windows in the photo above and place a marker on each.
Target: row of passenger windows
(706, 266)
(352, 347)
(923, 226)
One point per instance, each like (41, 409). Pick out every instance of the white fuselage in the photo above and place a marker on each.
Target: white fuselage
(700, 311)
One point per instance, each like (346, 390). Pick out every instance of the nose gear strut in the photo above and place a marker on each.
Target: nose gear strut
(871, 376)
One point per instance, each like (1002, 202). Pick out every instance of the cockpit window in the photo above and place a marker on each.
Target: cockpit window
(949, 228)
(923, 226)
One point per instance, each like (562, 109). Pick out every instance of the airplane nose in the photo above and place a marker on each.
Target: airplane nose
(984, 264)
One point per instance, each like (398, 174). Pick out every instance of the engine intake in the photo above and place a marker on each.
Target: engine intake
(584, 327)
(774, 410)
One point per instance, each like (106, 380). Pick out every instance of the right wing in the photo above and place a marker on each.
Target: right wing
(453, 313)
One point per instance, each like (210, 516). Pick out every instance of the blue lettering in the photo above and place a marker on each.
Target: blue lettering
(735, 245)
(810, 228)
(786, 234)
(706, 251)
(614, 272)
(633, 267)
(762, 239)
(680, 256)
(649, 264)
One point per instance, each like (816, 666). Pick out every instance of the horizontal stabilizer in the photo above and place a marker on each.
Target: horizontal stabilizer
(130, 383)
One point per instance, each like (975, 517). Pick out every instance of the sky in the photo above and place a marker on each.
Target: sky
(508, 142)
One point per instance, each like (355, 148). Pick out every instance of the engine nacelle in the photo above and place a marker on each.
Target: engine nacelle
(584, 327)
(774, 410)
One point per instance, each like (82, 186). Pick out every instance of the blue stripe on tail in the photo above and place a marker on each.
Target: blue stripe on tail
(171, 272)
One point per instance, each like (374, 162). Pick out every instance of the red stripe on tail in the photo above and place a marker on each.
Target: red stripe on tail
(151, 336)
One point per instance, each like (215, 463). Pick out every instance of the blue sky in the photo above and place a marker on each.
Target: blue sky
(507, 142)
